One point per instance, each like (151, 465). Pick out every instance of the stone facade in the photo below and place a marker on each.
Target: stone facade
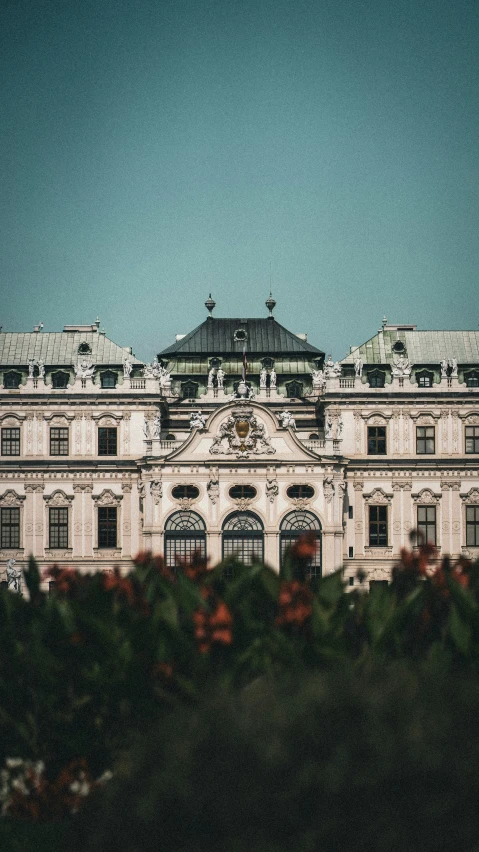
(103, 456)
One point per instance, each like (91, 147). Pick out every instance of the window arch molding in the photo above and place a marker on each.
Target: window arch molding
(292, 525)
(185, 534)
(243, 536)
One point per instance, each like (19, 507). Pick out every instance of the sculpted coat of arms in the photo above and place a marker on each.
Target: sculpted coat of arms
(241, 434)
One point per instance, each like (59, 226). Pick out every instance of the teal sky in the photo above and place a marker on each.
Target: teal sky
(152, 152)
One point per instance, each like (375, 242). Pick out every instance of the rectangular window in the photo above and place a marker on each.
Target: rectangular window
(107, 526)
(472, 439)
(11, 442)
(107, 441)
(426, 523)
(59, 527)
(425, 439)
(378, 526)
(58, 441)
(376, 440)
(472, 526)
(10, 523)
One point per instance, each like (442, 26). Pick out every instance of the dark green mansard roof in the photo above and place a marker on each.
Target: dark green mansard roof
(216, 336)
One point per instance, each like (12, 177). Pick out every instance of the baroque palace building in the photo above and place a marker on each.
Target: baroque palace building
(103, 456)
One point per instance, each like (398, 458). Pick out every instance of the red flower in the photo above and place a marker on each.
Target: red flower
(305, 546)
(194, 568)
(294, 604)
(214, 627)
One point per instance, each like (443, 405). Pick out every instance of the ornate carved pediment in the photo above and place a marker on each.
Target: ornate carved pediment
(10, 499)
(107, 498)
(60, 418)
(10, 415)
(378, 496)
(377, 418)
(242, 434)
(426, 497)
(58, 498)
(472, 496)
(470, 417)
(107, 418)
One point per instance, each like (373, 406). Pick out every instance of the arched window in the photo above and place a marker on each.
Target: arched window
(292, 526)
(84, 348)
(243, 537)
(185, 534)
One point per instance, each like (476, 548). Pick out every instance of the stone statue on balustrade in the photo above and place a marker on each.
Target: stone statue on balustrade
(272, 378)
(453, 366)
(41, 368)
(319, 381)
(444, 366)
(197, 420)
(287, 419)
(262, 379)
(211, 377)
(127, 368)
(332, 369)
(14, 576)
(358, 366)
(220, 377)
(31, 367)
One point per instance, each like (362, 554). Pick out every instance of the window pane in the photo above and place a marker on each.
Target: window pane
(107, 441)
(107, 517)
(183, 547)
(10, 442)
(59, 527)
(10, 523)
(58, 441)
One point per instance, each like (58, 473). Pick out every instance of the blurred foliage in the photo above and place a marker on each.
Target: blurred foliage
(85, 668)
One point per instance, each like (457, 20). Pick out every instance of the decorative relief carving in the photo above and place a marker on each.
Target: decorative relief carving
(10, 499)
(455, 431)
(472, 496)
(396, 416)
(58, 498)
(378, 553)
(78, 422)
(126, 487)
(328, 489)
(29, 434)
(378, 496)
(272, 489)
(156, 491)
(39, 417)
(426, 497)
(107, 498)
(213, 487)
(241, 434)
(300, 502)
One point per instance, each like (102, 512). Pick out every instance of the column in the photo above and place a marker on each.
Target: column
(397, 519)
(358, 486)
(88, 508)
(28, 521)
(125, 533)
(77, 521)
(40, 535)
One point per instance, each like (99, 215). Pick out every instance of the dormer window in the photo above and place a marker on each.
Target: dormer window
(60, 379)
(84, 349)
(376, 379)
(472, 379)
(294, 390)
(11, 380)
(424, 379)
(398, 346)
(108, 379)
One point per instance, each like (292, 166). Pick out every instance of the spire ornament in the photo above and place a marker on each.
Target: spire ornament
(210, 305)
(270, 304)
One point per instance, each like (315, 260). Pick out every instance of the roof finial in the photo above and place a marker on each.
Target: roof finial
(270, 304)
(385, 322)
(210, 304)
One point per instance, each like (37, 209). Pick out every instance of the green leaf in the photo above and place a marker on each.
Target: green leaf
(460, 630)
(32, 578)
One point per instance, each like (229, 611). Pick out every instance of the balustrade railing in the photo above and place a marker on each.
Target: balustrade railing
(346, 383)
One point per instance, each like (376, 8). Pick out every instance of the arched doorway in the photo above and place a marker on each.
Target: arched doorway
(185, 534)
(243, 536)
(292, 525)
